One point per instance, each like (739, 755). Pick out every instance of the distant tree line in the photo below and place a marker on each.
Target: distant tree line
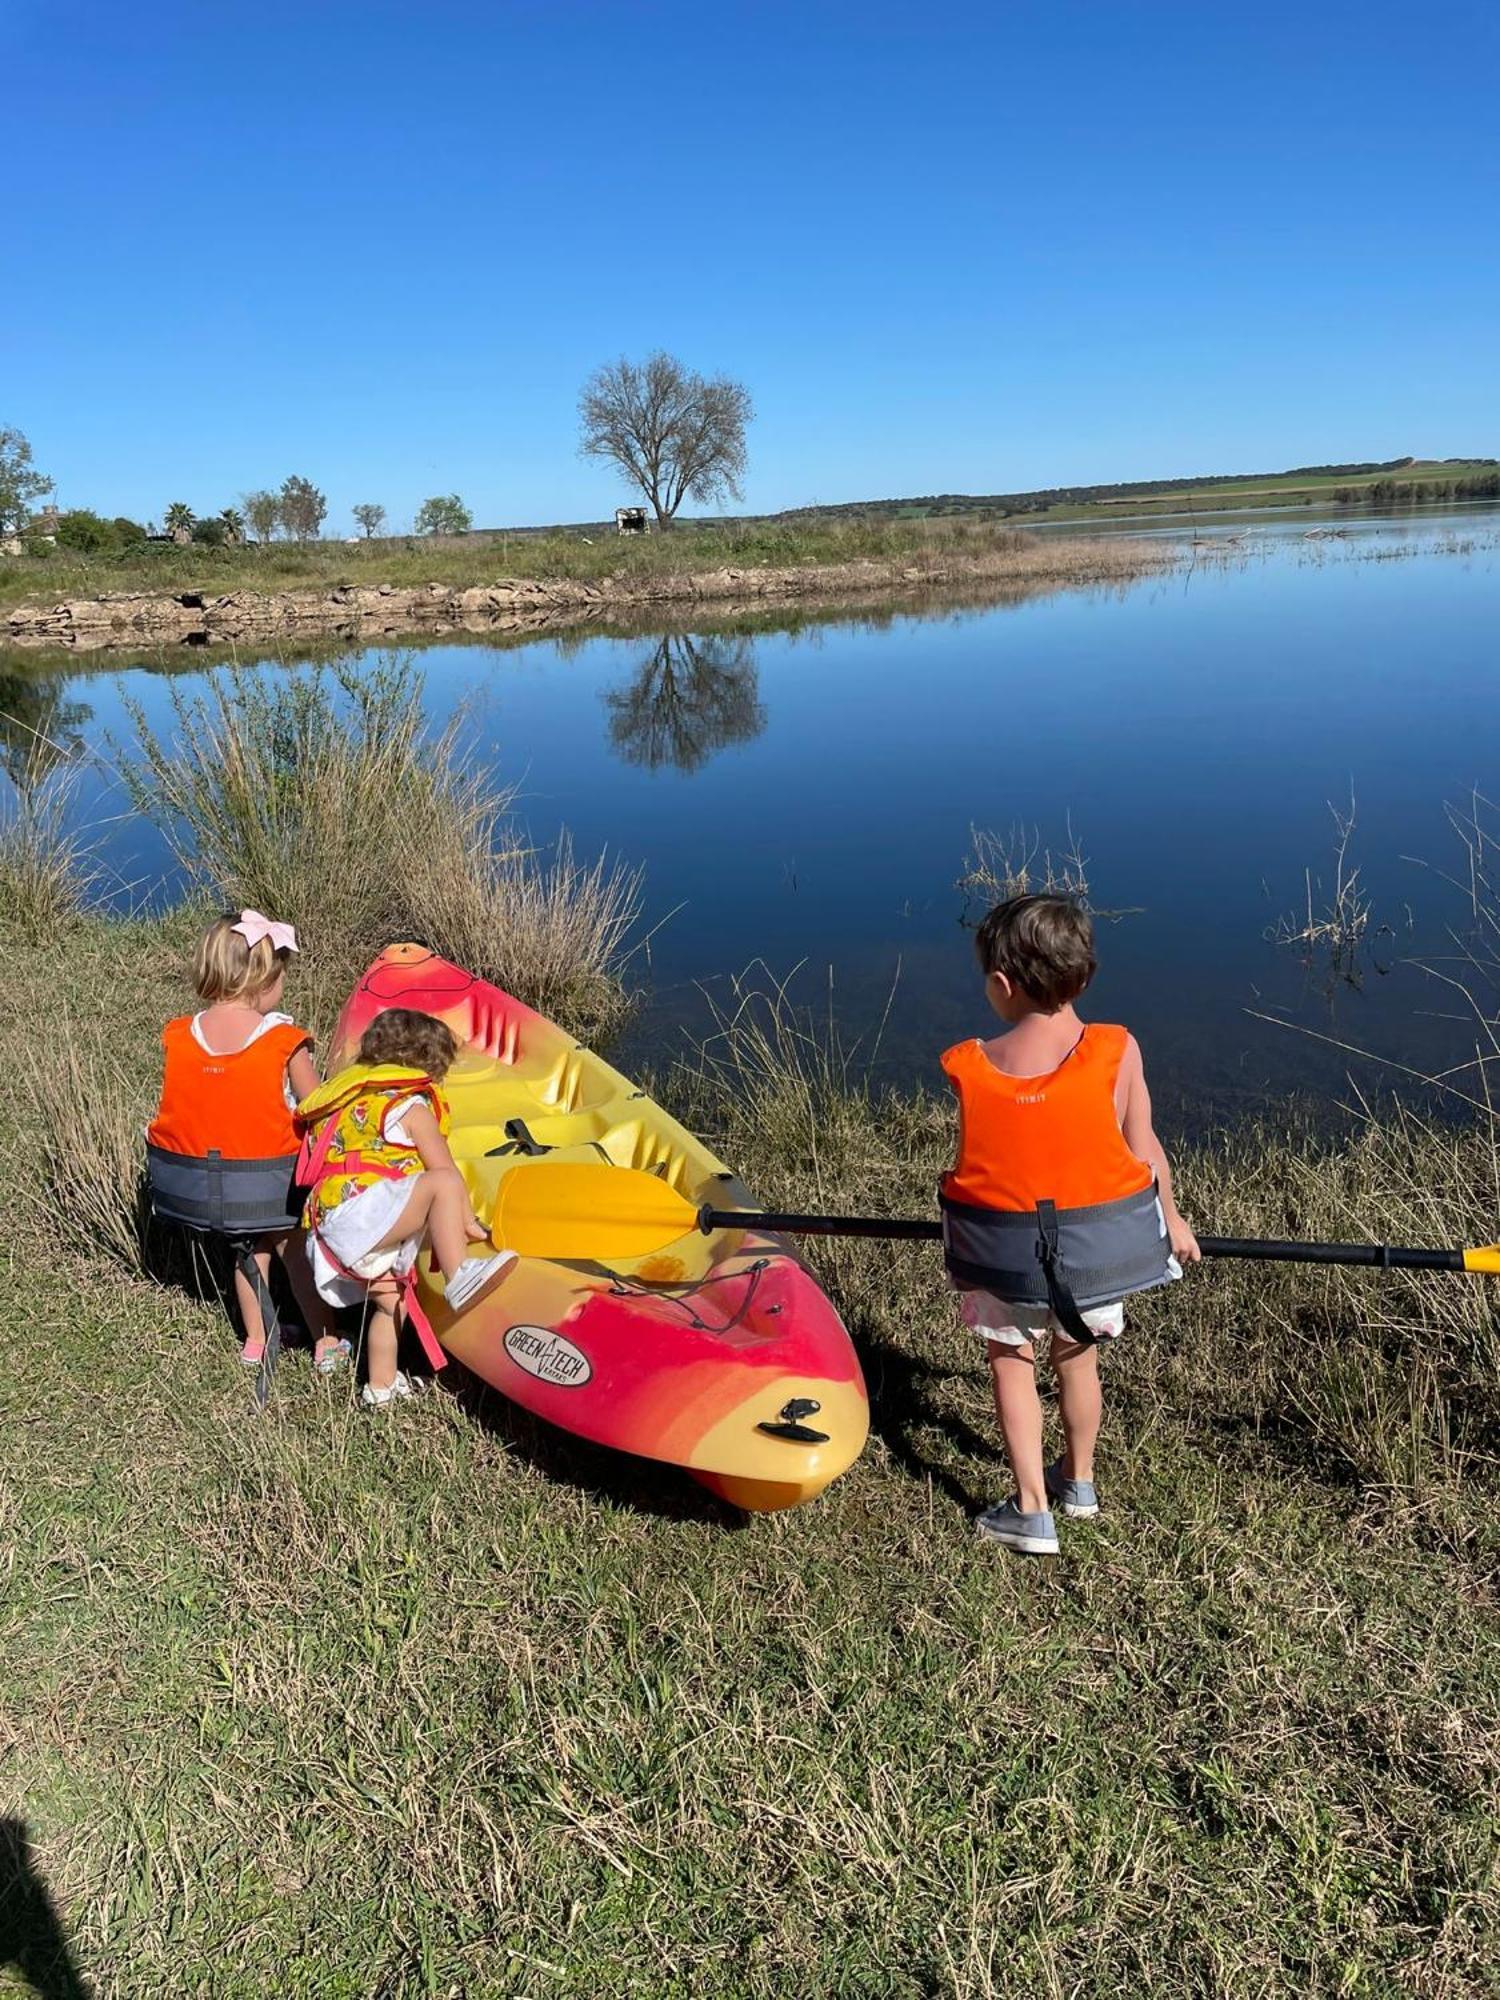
(674, 434)
(1042, 498)
(1401, 492)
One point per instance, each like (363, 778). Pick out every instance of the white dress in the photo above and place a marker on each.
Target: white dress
(354, 1229)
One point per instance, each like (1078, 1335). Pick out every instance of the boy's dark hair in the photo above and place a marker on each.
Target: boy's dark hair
(402, 1035)
(1043, 944)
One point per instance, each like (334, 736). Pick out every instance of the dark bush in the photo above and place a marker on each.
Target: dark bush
(84, 530)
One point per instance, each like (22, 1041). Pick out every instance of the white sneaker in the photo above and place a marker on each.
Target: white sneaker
(476, 1275)
(401, 1390)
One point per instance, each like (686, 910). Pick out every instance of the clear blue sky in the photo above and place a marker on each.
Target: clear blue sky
(954, 247)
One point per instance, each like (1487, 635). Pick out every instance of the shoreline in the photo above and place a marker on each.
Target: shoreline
(516, 604)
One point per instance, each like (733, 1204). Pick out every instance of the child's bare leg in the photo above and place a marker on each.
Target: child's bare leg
(292, 1250)
(1079, 1402)
(439, 1209)
(380, 1334)
(248, 1299)
(1019, 1409)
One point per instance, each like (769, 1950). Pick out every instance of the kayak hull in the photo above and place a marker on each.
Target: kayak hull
(720, 1354)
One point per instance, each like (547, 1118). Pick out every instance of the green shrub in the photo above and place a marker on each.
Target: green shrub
(87, 532)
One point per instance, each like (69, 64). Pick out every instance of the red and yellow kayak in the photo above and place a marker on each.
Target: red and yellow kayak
(722, 1354)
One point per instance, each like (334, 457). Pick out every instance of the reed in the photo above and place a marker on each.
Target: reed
(46, 876)
(328, 800)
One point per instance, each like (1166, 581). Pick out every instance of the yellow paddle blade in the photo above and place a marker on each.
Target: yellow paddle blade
(1485, 1258)
(587, 1212)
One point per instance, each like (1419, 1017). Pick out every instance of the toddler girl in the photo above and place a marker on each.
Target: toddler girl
(384, 1183)
(222, 1144)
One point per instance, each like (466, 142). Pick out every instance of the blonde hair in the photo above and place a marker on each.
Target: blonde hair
(227, 968)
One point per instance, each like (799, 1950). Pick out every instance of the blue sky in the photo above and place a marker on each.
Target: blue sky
(953, 248)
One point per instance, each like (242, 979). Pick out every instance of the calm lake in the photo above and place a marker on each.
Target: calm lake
(806, 797)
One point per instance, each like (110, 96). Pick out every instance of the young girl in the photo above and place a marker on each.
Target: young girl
(384, 1182)
(233, 1074)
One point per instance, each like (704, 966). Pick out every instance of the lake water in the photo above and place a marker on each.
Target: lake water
(806, 797)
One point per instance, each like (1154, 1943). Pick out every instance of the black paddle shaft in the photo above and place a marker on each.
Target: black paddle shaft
(1260, 1249)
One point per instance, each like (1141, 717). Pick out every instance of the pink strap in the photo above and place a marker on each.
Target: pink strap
(410, 1303)
(422, 1324)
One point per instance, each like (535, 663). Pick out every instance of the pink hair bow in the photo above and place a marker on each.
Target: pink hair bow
(252, 927)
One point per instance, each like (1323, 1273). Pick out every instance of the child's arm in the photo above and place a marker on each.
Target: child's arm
(432, 1147)
(302, 1072)
(1140, 1137)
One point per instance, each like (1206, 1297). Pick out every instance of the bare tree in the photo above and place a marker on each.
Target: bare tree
(262, 511)
(443, 514)
(302, 508)
(674, 434)
(369, 517)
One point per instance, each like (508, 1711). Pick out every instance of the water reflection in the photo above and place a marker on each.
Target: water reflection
(40, 728)
(689, 697)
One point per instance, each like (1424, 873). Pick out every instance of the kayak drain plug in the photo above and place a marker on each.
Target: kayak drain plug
(789, 1424)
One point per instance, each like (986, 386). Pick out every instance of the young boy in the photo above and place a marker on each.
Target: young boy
(1060, 1201)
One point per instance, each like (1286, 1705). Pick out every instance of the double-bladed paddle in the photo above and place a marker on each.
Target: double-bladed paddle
(590, 1212)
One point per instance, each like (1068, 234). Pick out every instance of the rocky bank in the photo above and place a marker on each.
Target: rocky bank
(355, 611)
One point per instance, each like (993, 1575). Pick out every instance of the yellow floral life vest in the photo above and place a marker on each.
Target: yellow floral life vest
(345, 1146)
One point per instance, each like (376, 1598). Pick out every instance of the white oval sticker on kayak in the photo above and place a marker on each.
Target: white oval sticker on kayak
(548, 1356)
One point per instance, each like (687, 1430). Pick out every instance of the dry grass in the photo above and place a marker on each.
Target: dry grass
(45, 876)
(625, 562)
(450, 1705)
(326, 800)
(1333, 930)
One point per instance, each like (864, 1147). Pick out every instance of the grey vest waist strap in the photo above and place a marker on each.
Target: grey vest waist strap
(1067, 1258)
(230, 1197)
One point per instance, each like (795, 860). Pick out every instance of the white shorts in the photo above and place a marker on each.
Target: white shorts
(352, 1231)
(1010, 1325)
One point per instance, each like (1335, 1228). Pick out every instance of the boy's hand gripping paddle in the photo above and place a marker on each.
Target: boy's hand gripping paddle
(587, 1212)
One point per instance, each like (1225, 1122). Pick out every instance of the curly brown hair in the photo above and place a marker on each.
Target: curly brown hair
(402, 1035)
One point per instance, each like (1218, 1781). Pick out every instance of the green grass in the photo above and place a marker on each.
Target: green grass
(484, 557)
(449, 1705)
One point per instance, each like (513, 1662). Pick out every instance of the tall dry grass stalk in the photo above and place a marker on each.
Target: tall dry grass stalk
(45, 874)
(329, 802)
(87, 1114)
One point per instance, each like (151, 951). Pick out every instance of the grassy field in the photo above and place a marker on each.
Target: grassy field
(482, 558)
(445, 1704)
(448, 1705)
(948, 528)
(1283, 490)
(1416, 478)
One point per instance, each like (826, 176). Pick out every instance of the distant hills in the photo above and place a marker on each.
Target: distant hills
(1371, 481)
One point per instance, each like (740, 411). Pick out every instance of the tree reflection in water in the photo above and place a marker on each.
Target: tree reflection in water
(693, 696)
(39, 728)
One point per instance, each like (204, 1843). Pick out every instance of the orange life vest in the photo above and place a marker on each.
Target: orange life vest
(1046, 1204)
(233, 1105)
(1025, 1139)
